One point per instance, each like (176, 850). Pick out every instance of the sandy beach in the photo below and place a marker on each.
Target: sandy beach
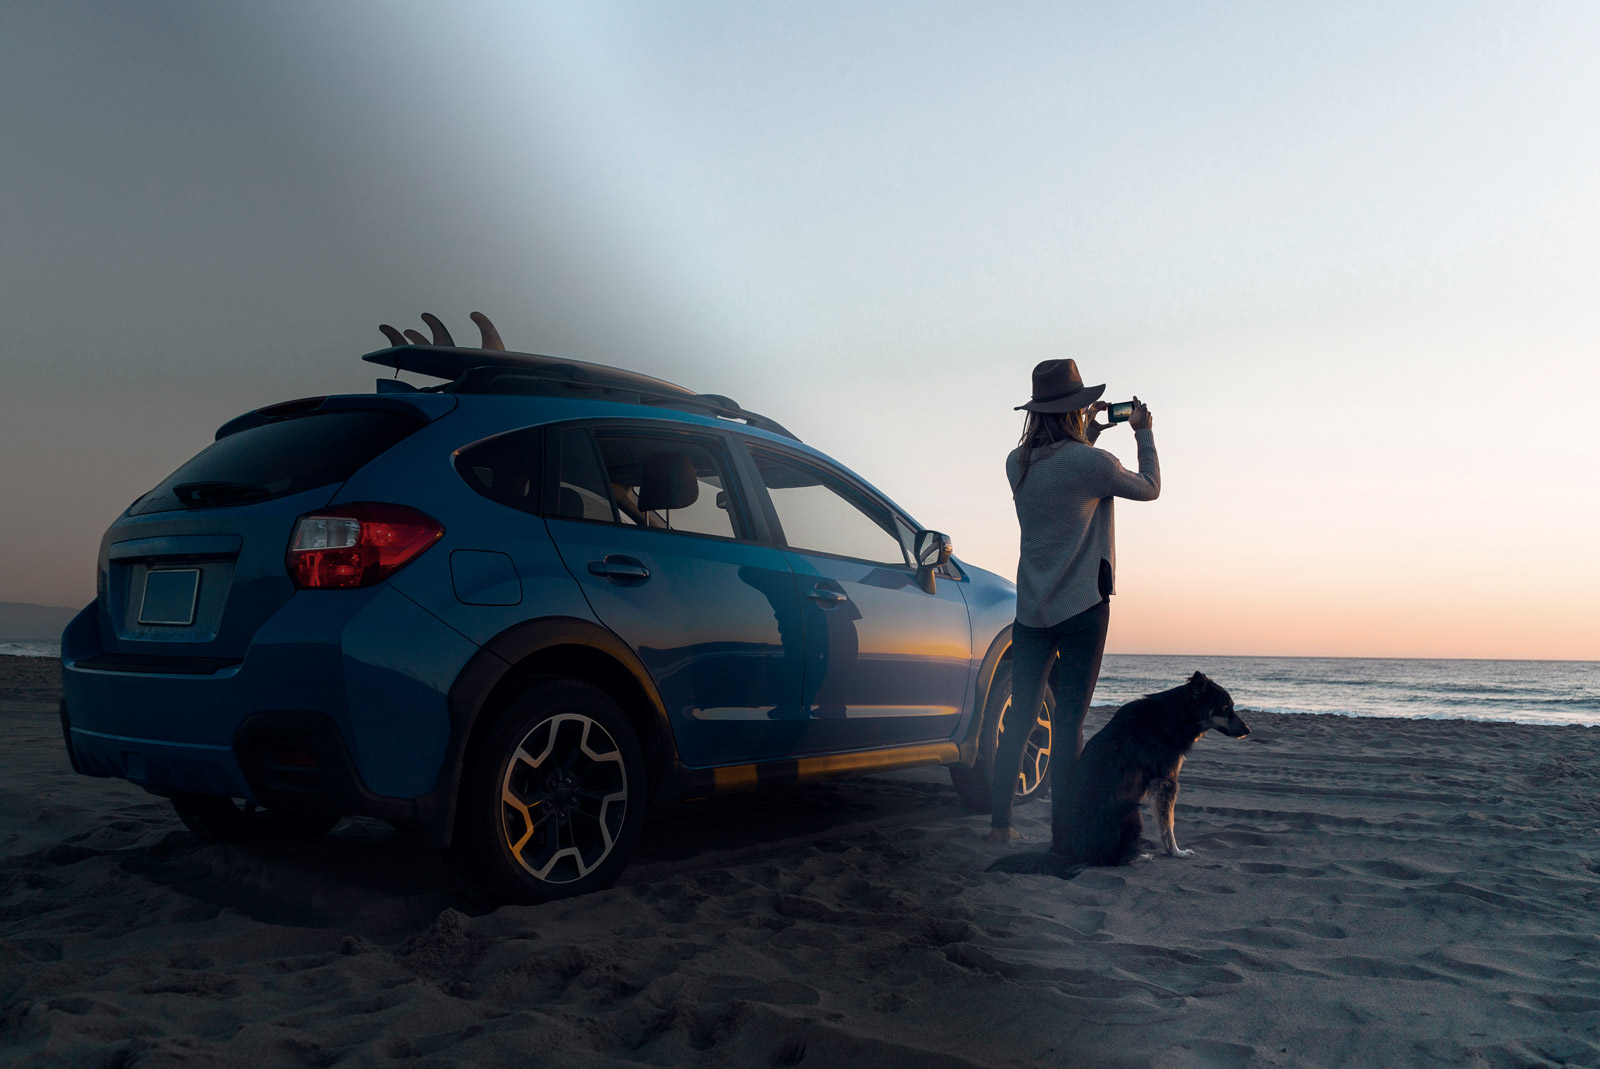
(1365, 892)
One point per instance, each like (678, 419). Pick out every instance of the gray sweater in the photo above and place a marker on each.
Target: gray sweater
(1064, 509)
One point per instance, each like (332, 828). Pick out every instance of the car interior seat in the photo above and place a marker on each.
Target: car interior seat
(667, 482)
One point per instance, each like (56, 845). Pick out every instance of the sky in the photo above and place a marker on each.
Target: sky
(1349, 253)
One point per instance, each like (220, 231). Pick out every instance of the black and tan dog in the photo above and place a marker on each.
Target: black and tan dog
(1139, 752)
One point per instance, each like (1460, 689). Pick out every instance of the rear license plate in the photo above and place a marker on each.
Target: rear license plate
(169, 597)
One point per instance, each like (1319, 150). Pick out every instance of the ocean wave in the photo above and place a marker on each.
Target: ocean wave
(1579, 701)
(1497, 718)
(30, 649)
(1479, 688)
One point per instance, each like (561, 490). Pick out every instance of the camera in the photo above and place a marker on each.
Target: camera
(1119, 412)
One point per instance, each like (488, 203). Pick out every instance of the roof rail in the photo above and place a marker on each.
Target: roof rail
(491, 371)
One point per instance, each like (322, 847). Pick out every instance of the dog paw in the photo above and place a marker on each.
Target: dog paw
(1147, 857)
(1182, 853)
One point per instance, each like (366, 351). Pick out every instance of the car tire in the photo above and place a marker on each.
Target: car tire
(974, 785)
(229, 820)
(553, 797)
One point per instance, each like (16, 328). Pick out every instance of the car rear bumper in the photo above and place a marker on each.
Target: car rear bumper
(155, 764)
(339, 705)
(278, 760)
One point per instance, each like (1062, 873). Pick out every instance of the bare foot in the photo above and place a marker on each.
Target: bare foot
(1003, 835)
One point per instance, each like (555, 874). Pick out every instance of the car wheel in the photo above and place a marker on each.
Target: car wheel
(231, 820)
(973, 785)
(553, 798)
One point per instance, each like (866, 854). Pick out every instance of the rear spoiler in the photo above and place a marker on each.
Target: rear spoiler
(425, 406)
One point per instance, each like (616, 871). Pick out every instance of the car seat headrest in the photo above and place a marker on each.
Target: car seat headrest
(668, 482)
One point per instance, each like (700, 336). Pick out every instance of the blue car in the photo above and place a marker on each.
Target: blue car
(512, 609)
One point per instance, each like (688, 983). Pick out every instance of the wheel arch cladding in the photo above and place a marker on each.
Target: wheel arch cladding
(563, 646)
(596, 667)
(999, 652)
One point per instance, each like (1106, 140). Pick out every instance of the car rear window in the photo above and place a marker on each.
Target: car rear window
(278, 459)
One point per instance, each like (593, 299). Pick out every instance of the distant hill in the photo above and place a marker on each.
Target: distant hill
(22, 622)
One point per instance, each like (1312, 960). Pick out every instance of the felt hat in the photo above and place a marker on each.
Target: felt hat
(1058, 387)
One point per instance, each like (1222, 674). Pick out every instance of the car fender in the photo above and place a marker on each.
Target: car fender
(999, 649)
(490, 677)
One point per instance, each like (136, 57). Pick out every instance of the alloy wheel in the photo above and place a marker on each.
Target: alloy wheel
(1035, 752)
(564, 797)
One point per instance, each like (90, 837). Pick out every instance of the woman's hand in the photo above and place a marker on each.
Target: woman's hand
(1091, 429)
(1141, 420)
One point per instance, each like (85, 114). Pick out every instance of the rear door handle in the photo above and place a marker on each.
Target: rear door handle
(826, 596)
(616, 566)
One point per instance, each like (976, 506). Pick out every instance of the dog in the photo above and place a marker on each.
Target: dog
(1138, 753)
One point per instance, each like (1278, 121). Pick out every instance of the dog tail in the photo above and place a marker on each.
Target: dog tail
(1037, 862)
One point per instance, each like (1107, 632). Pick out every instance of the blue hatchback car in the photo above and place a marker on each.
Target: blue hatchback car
(512, 609)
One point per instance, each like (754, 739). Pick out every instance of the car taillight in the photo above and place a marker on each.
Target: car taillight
(349, 546)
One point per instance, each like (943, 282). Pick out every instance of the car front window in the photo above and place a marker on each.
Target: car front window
(822, 513)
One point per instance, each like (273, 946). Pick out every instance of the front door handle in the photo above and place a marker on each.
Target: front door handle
(616, 566)
(826, 596)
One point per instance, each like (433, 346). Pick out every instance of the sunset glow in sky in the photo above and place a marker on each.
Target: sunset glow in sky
(1348, 253)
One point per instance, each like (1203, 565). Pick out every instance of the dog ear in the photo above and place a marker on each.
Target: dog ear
(1198, 682)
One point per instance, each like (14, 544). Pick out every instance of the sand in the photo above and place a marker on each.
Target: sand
(1365, 892)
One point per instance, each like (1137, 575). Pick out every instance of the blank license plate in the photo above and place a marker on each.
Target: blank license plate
(169, 597)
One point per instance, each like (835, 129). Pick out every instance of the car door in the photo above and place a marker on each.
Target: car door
(886, 663)
(654, 526)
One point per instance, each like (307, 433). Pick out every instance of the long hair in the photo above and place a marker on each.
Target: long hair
(1044, 428)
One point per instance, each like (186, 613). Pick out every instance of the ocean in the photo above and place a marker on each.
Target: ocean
(1521, 692)
(30, 649)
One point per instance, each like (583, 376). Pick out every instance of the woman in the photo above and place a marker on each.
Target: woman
(1063, 488)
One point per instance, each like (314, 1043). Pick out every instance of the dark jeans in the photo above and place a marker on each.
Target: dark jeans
(1080, 640)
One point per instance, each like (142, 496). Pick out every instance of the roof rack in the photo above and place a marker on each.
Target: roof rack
(493, 371)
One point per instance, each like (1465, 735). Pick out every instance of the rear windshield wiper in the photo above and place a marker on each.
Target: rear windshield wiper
(218, 492)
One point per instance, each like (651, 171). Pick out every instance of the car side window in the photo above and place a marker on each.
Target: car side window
(581, 492)
(821, 512)
(504, 469)
(668, 483)
(908, 538)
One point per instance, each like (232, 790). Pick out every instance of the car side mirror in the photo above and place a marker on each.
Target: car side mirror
(931, 550)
